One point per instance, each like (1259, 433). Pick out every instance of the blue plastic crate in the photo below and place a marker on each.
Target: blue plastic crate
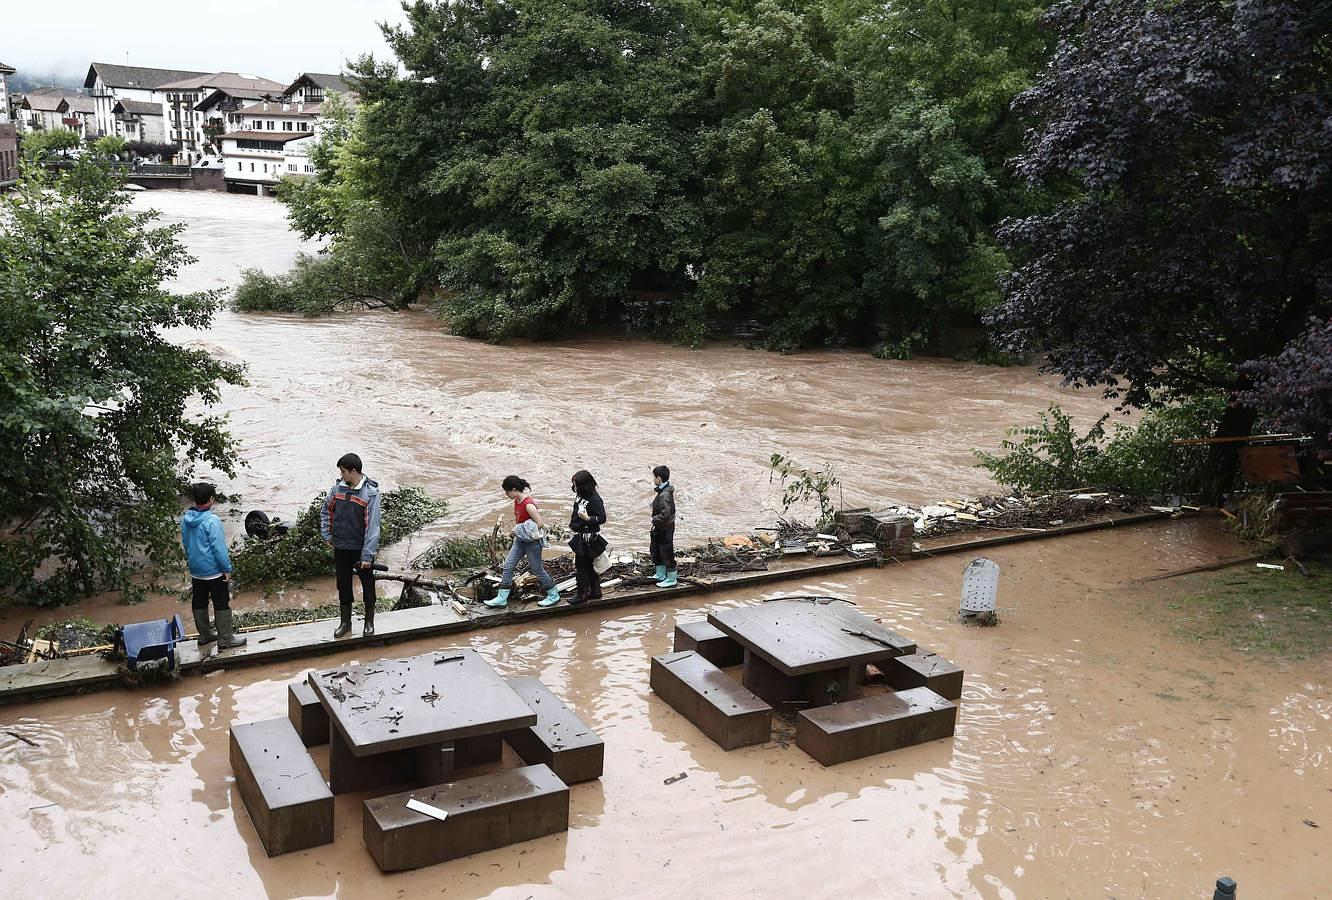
(153, 642)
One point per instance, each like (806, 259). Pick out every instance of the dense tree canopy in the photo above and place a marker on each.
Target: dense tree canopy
(1188, 147)
(95, 427)
(830, 169)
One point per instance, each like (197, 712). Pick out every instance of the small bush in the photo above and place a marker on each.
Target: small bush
(1140, 460)
(316, 286)
(464, 552)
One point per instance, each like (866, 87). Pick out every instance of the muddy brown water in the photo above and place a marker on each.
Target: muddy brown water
(456, 416)
(1095, 756)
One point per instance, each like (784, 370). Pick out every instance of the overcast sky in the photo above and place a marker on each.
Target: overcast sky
(271, 38)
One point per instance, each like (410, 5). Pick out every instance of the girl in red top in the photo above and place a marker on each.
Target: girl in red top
(527, 541)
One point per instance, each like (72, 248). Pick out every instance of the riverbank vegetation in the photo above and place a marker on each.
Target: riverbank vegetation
(95, 423)
(1140, 460)
(832, 172)
(1113, 188)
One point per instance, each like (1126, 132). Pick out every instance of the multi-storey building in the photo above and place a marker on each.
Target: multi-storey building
(108, 82)
(39, 110)
(139, 120)
(314, 87)
(8, 154)
(272, 138)
(77, 113)
(5, 72)
(186, 122)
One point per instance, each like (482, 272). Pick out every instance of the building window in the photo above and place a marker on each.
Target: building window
(251, 167)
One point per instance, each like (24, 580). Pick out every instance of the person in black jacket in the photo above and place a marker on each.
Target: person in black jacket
(588, 515)
(663, 528)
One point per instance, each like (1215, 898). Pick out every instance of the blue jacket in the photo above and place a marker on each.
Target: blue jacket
(205, 547)
(350, 518)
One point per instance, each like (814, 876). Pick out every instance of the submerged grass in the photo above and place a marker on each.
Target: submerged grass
(1259, 610)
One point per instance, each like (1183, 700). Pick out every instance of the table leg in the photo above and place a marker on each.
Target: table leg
(477, 751)
(348, 773)
(772, 686)
(434, 764)
(816, 689)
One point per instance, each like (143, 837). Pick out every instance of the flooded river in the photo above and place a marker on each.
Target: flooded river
(456, 416)
(1097, 754)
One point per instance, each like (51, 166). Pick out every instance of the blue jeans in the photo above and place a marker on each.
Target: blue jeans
(532, 550)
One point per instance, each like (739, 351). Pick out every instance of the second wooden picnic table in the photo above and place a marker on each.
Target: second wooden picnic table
(806, 652)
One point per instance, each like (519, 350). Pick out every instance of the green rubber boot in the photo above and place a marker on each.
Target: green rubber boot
(500, 600)
(661, 574)
(670, 580)
(226, 639)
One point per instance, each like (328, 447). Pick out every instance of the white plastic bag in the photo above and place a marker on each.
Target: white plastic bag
(603, 562)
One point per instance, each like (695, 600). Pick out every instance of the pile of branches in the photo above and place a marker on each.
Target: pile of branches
(1027, 511)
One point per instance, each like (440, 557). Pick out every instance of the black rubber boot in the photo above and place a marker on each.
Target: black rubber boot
(344, 627)
(369, 629)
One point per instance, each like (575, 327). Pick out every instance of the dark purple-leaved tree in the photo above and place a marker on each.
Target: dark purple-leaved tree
(1186, 151)
(1294, 388)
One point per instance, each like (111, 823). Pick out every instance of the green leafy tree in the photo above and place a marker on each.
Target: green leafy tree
(542, 149)
(934, 112)
(783, 187)
(46, 144)
(110, 145)
(372, 261)
(96, 405)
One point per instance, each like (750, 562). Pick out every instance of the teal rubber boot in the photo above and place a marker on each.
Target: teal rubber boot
(552, 597)
(670, 580)
(661, 574)
(500, 600)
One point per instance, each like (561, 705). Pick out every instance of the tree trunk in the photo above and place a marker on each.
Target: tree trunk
(1224, 464)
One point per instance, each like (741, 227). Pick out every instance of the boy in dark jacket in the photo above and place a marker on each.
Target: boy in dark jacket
(663, 528)
(210, 568)
(349, 522)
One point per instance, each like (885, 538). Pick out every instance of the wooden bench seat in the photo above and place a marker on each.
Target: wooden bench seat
(484, 812)
(559, 739)
(307, 714)
(709, 642)
(845, 731)
(924, 669)
(288, 802)
(723, 709)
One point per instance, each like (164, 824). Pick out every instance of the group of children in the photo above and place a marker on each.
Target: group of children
(349, 524)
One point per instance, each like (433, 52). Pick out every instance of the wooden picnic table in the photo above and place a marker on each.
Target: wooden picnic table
(396, 721)
(807, 652)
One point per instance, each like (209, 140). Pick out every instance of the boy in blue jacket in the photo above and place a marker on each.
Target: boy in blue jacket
(210, 568)
(349, 522)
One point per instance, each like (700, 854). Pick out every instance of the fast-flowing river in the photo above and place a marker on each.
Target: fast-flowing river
(1098, 753)
(456, 415)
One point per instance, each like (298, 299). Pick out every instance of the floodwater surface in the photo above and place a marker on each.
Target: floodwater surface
(1095, 756)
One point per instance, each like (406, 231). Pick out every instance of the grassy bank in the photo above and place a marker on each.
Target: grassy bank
(1258, 610)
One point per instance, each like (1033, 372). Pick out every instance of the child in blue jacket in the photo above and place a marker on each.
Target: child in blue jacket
(210, 568)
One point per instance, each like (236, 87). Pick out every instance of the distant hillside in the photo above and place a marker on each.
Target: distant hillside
(21, 82)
